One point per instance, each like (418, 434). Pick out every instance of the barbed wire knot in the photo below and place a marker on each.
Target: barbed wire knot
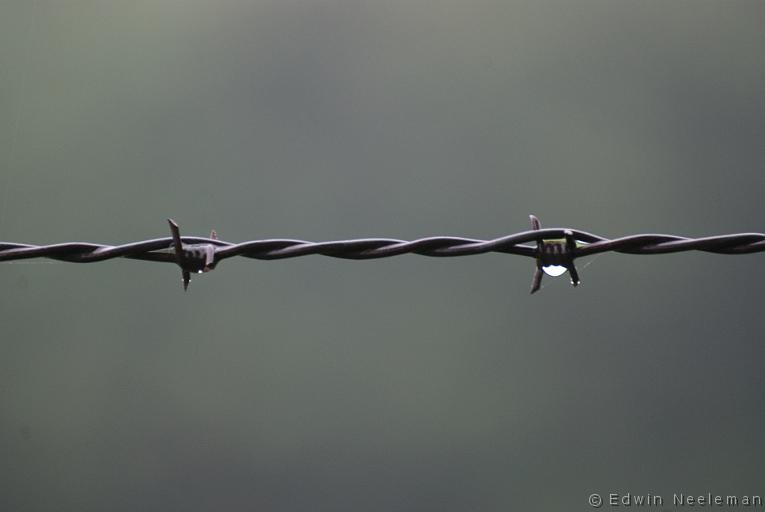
(196, 258)
(554, 257)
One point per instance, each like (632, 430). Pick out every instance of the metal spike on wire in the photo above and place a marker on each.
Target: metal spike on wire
(554, 253)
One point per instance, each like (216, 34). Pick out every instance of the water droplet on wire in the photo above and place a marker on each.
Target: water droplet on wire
(554, 270)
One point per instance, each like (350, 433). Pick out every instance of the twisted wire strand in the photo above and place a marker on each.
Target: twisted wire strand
(159, 249)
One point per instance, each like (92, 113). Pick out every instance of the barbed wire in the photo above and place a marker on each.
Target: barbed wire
(554, 252)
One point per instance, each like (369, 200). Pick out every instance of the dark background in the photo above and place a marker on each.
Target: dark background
(408, 383)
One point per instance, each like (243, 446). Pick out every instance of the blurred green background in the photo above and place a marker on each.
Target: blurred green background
(407, 383)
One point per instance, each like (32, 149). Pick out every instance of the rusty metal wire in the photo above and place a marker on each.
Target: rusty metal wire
(554, 246)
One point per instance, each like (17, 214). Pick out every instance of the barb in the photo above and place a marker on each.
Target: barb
(555, 251)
